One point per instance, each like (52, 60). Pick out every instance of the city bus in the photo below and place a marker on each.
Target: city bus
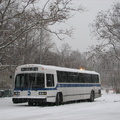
(38, 84)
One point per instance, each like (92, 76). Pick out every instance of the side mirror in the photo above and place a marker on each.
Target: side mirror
(11, 76)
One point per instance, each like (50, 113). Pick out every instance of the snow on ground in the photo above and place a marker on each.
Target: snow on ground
(106, 107)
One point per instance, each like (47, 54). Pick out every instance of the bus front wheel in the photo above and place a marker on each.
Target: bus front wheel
(59, 99)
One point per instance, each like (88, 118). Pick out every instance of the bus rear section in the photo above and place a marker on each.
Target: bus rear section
(34, 85)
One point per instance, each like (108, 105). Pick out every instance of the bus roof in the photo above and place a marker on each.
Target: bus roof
(49, 67)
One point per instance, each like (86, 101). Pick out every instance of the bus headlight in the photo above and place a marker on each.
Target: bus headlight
(16, 93)
(42, 93)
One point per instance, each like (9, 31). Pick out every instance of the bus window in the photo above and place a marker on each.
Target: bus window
(32, 80)
(17, 82)
(73, 77)
(59, 76)
(50, 80)
(21, 81)
(29, 80)
(40, 83)
(95, 78)
(81, 78)
(88, 78)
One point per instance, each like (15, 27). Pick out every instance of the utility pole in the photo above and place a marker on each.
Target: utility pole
(41, 32)
(41, 37)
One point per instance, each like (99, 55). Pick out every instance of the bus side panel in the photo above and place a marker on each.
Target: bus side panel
(52, 92)
(73, 93)
(51, 96)
(77, 93)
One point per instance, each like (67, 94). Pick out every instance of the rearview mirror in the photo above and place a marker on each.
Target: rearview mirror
(11, 76)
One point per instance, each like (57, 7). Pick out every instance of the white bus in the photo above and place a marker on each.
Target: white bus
(36, 84)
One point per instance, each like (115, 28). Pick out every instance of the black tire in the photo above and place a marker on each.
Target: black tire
(99, 92)
(59, 99)
(92, 96)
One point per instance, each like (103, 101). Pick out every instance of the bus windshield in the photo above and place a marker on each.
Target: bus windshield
(29, 81)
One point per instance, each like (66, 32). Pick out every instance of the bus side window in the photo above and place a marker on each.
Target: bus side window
(81, 78)
(50, 80)
(89, 78)
(95, 78)
(58, 76)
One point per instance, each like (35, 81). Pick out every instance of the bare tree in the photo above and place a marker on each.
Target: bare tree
(106, 56)
(107, 28)
(77, 60)
(20, 23)
(64, 53)
(11, 10)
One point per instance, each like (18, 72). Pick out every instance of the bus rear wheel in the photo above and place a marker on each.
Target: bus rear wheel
(59, 99)
(92, 96)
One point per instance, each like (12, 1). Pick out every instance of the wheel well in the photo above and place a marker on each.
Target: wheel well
(59, 98)
(99, 91)
(60, 93)
(92, 91)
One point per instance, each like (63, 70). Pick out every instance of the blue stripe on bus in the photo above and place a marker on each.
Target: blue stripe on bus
(78, 85)
(35, 89)
(63, 85)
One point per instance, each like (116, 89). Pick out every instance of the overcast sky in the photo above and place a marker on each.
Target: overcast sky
(81, 38)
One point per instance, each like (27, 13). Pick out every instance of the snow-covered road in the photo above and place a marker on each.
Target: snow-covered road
(105, 108)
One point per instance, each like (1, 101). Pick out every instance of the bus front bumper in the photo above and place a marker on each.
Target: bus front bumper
(30, 100)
